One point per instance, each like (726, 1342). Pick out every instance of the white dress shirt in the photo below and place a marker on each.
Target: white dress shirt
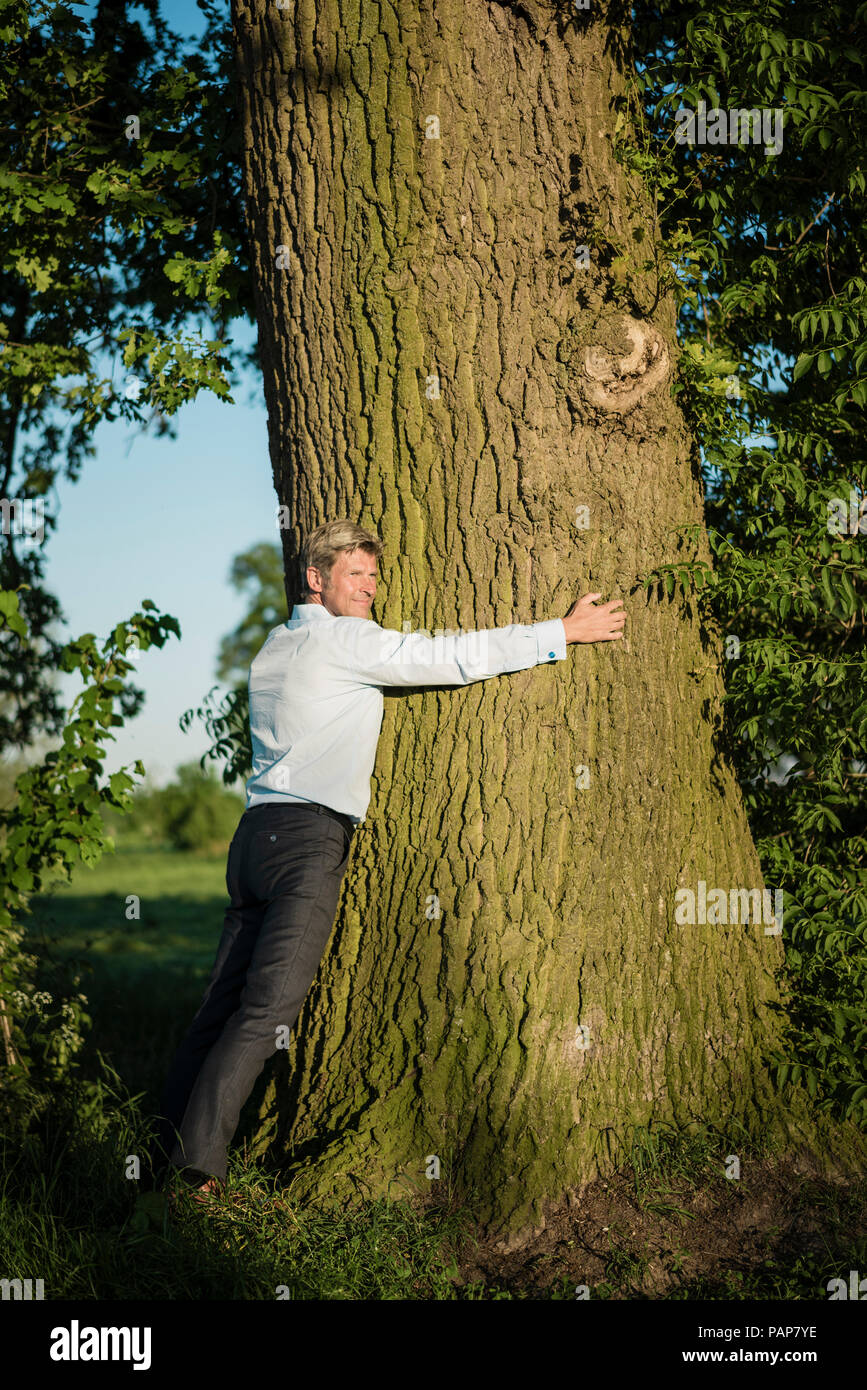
(316, 702)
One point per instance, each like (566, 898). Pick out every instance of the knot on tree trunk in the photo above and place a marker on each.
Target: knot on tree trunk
(616, 383)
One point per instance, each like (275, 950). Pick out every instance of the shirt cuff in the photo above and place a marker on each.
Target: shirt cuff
(550, 640)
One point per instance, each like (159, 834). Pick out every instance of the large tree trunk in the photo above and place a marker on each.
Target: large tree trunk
(523, 1021)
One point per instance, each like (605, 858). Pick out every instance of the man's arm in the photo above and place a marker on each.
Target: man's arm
(382, 656)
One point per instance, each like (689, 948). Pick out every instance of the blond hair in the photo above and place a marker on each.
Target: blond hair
(323, 545)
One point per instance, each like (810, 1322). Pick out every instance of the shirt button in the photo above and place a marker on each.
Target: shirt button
(273, 837)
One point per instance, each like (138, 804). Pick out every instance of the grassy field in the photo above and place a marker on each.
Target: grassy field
(666, 1226)
(143, 978)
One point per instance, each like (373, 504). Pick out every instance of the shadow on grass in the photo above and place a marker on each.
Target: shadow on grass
(69, 1214)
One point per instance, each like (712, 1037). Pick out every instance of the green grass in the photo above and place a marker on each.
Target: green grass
(66, 1207)
(70, 1216)
(143, 978)
(181, 904)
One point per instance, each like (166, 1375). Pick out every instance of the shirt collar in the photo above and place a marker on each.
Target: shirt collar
(309, 612)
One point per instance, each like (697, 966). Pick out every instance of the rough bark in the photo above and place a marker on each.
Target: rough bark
(554, 1004)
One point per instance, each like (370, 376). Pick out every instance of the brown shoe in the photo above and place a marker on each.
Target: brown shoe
(205, 1192)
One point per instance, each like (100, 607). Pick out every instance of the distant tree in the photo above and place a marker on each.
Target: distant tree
(259, 573)
(196, 811)
(121, 266)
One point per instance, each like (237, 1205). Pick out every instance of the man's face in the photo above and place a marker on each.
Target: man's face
(351, 587)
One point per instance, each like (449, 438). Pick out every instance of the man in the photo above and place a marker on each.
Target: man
(316, 710)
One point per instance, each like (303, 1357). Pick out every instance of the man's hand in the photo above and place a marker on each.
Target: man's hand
(586, 623)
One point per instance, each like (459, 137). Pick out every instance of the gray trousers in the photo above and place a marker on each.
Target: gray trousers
(285, 867)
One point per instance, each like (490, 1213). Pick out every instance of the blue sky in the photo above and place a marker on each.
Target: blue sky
(162, 519)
